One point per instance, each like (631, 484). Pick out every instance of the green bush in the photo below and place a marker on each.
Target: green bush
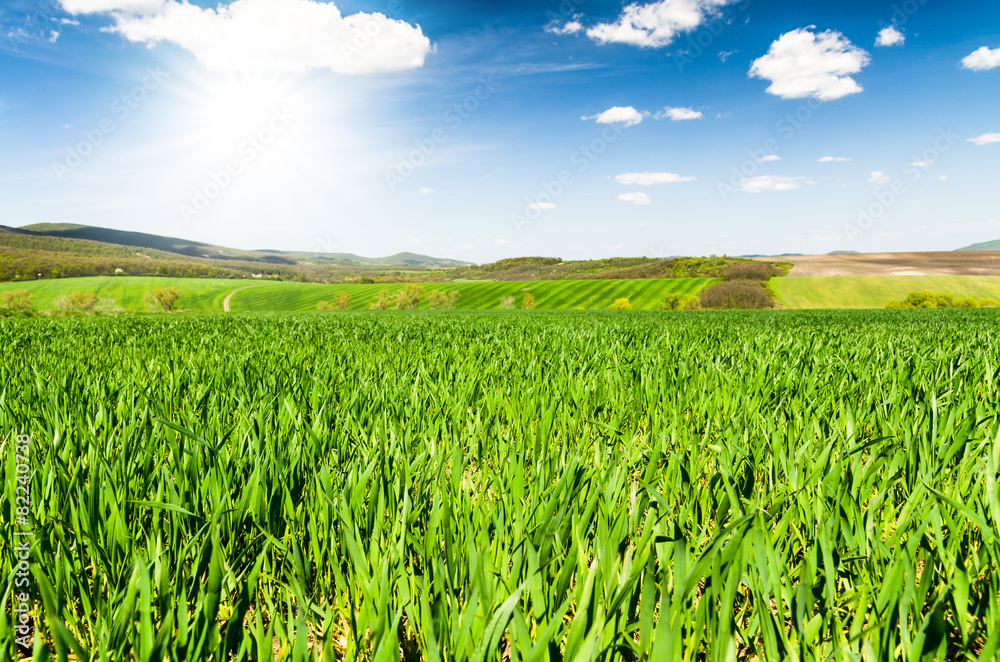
(928, 299)
(621, 304)
(737, 295)
(680, 302)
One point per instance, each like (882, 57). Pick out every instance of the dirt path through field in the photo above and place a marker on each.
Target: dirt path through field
(225, 303)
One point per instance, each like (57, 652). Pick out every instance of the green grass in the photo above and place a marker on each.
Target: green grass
(208, 294)
(197, 294)
(549, 295)
(875, 291)
(467, 487)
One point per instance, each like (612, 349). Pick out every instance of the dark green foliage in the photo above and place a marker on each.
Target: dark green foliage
(737, 295)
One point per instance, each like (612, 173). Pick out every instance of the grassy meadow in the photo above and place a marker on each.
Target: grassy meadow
(262, 296)
(497, 486)
(875, 291)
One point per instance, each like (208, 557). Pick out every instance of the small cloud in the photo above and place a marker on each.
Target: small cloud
(725, 55)
(69, 21)
(651, 178)
(768, 183)
(66, 126)
(879, 178)
(803, 63)
(656, 24)
(426, 191)
(923, 165)
(417, 241)
(890, 36)
(982, 60)
(770, 158)
(943, 178)
(54, 37)
(679, 114)
(502, 242)
(626, 115)
(635, 198)
(570, 27)
(985, 139)
(541, 206)
(835, 159)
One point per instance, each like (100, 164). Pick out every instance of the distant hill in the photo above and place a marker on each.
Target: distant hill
(189, 248)
(985, 246)
(409, 259)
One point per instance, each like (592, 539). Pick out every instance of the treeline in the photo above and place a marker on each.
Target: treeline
(929, 299)
(553, 268)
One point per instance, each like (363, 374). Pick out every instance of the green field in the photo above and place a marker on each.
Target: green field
(645, 294)
(875, 291)
(466, 487)
(197, 294)
(208, 294)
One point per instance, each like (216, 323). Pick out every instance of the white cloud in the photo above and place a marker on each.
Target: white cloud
(269, 35)
(890, 36)
(54, 37)
(923, 165)
(656, 24)
(770, 158)
(985, 139)
(651, 178)
(943, 178)
(627, 115)
(541, 206)
(768, 183)
(982, 60)
(802, 63)
(679, 114)
(426, 191)
(98, 6)
(834, 159)
(879, 178)
(570, 27)
(635, 198)
(68, 21)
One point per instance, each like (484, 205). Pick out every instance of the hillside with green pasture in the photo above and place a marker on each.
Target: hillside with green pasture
(202, 294)
(875, 291)
(644, 294)
(197, 294)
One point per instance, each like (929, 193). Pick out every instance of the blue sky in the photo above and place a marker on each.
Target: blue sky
(482, 130)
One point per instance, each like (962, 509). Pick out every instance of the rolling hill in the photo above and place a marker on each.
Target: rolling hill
(198, 249)
(207, 295)
(984, 246)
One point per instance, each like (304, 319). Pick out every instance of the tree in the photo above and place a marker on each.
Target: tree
(680, 302)
(324, 305)
(164, 297)
(507, 302)
(453, 298)
(381, 301)
(528, 303)
(342, 300)
(76, 302)
(621, 304)
(989, 303)
(437, 299)
(966, 302)
(17, 300)
(737, 295)
(409, 297)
